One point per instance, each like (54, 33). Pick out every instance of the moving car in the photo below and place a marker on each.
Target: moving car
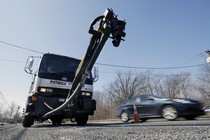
(150, 106)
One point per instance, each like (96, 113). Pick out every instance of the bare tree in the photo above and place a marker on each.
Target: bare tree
(1, 107)
(1, 112)
(123, 87)
(12, 113)
(203, 85)
(104, 108)
(176, 85)
(100, 105)
(157, 85)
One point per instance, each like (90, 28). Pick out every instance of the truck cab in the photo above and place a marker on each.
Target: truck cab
(50, 88)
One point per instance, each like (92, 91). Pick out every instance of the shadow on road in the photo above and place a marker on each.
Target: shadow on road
(91, 124)
(153, 123)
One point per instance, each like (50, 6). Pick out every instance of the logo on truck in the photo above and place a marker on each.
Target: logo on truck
(64, 83)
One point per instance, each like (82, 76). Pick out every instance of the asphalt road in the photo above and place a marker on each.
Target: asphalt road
(151, 130)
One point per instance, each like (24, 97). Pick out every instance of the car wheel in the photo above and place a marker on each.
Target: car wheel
(169, 113)
(124, 116)
(56, 121)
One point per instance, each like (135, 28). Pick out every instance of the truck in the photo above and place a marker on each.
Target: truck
(62, 87)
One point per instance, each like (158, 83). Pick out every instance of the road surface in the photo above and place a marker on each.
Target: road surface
(151, 130)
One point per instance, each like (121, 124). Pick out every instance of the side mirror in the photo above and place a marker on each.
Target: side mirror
(95, 74)
(29, 65)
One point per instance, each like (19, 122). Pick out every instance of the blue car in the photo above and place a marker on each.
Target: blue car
(150, 106)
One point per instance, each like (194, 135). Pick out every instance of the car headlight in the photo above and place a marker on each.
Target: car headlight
(43, 90)
(86, 94)
(182, 101)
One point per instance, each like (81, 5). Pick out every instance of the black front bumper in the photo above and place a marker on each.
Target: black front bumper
(45, 104)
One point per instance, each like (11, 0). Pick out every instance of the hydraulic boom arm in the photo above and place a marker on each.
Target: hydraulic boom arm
(109, 27)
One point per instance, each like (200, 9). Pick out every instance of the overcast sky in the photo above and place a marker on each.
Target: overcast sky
(160, 34)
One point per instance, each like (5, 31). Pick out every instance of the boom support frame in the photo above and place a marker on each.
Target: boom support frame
(109, 27)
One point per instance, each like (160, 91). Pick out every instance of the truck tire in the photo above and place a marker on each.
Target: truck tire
(28, 121)
(82, 119)
(57, 120)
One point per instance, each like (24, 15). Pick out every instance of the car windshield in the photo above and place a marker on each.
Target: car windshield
(158, 97)
(143, 98)
(133, 100)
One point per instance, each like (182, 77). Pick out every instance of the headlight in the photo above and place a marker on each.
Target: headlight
(86, 94)
(182, 101)
(46, 90)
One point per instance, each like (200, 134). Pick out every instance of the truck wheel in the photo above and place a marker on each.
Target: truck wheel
(56, 120)
(53, 122)
(82, 119)
(28, 121)
(73, 120)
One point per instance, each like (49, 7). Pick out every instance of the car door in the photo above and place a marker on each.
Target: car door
(141, 105)
(130, 106)
(147, 107)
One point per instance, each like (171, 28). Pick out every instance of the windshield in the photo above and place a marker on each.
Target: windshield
(158, 97)
(56, 66)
